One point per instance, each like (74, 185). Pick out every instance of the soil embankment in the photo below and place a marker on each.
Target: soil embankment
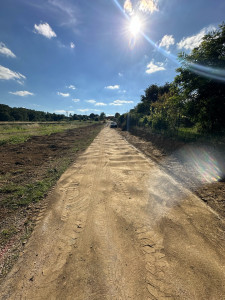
(118, 227)
(200, 167)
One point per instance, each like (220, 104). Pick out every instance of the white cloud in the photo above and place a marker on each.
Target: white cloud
(45, 30)
(167, 41)
(112, 87)
(76, 100)
(154, 67)
(72, 45)
(7, 74)
(116, 104)
(91, 101)
(63, 94)
(194, 41)
(22, 93)
(63, 112)
(121, 102)
(72, 87)
(128, 8)
(83, 110)
(100, 104)
(120, 74)
(148, 5)
(6, 51)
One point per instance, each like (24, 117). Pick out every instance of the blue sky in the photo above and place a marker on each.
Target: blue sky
(84, 56)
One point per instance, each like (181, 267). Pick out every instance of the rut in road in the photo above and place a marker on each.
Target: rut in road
(118, 227)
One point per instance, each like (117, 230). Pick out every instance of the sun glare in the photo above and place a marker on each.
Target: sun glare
(135, 25)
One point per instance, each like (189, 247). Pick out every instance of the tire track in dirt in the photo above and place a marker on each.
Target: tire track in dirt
(151, 245)
(118, 227)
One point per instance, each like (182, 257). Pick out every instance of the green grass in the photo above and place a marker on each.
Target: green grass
(22, 195)
(185, 134)
(6, 234)
(16, 134)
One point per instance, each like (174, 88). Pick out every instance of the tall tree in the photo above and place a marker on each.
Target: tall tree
(202, 81)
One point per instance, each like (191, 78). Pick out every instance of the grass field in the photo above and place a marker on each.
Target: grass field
(14, 133)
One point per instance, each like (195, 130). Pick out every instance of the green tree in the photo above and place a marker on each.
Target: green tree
(102, 116)
(202, 82)
(117, 115)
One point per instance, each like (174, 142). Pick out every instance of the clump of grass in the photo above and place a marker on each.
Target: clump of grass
(24, 195)
(8, 233)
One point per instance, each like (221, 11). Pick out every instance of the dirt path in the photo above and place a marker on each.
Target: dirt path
(118, 227)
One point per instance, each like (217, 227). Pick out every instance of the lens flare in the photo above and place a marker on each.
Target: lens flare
(206, 163)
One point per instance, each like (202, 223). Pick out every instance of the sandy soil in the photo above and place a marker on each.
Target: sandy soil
(119, 227)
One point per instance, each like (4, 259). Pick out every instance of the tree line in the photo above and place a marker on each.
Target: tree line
(29, 115)
(196, 97)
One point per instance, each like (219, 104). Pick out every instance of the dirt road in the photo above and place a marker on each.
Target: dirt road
(118, 227)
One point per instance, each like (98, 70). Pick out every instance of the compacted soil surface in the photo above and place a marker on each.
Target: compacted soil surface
(118, 226)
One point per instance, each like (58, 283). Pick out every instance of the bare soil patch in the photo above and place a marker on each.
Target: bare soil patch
(28, 171)
(167, 153)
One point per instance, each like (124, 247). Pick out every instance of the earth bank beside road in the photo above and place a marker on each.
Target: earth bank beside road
(185, 162)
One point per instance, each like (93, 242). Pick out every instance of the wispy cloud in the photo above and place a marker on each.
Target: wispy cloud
(45, 30)
(76, 100)
(72, 45)
(91, 101)
(67, 11)
(112, 87)
(63, 112)
(22, 93)
(148, 5)
(83, 109)
(194, 41)
(128, 7)
(154, 67)
(116, 104)
(167, 41)
(7, 74)
(63, 94)
(121, 102)
(6, 51)
(72, 87)
(120, 74)
(100, 104)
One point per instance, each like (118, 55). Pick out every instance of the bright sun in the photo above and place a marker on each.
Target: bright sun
(135, 25)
